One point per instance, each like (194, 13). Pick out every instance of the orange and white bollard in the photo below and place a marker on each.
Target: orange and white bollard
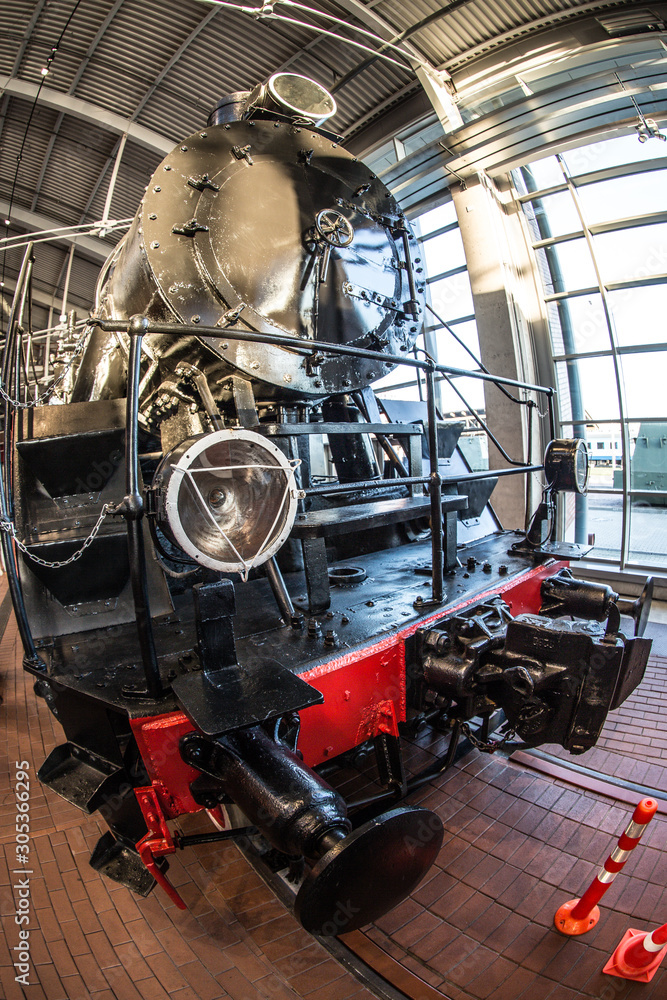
(638, 955)
(579, 915)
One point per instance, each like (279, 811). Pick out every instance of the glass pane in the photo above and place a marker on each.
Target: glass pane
(605, 513)
(398, 377)
(583, 324)
(450, 352)
(648, 530)
(437, 218)
(611, 153)
(632, 253)
(648, 464)
(605, 453)
(556, 215)
(475, 447)
(593, 381)
(644, 379)
(444, 252)
(543, 173)
(571, 265)
(648, 484)
(472, 390)
(639, 314)
(622, 197)
(452, 297)
(605, 521)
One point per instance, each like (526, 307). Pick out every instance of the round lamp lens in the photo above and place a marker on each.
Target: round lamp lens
(566, 465)
(228, 499)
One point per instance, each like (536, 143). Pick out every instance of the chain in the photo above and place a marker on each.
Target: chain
(8, 526)
(492, 745)
(18, 405)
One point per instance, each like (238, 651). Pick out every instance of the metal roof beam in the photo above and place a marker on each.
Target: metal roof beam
(86, 111)
(434, 82)
(92, 248)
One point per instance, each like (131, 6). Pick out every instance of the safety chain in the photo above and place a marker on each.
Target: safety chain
(492, 745)
(9, 527)
(18, 405)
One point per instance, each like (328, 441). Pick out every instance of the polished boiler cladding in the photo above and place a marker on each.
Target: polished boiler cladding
(238, 572)
(264, 226)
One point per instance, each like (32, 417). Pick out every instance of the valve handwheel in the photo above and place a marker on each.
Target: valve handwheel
(334, 228)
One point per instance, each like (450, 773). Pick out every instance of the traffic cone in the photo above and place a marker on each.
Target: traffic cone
(578, 915)
(639, 955)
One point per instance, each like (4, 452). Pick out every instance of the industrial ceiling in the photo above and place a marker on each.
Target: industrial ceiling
(94, 93)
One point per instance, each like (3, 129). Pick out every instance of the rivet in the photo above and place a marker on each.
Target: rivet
(152, 216)
(167, 167)
(204, 135)
(276, 124)
(227, 126)
(155, 244)
(223, 347)
(334, 145)
(370, 375)
(195, 319)
(173, 289)
(157, 188)
(184, 149)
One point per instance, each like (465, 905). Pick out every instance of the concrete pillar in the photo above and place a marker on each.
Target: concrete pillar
(512, 326)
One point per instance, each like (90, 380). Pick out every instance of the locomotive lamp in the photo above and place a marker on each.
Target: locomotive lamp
(228, 499)
(566, 465)
(566, 470)
(295, 96)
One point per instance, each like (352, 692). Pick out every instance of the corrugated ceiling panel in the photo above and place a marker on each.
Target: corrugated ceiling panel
(214, 65)
(138, 42)
(14, 21)
(472, 24)
(133, 176)
(75, 163)
(33, 153)
(353, 98)
(49, 273)
(73, 47)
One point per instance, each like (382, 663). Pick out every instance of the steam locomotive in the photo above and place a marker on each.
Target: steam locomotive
(232, 566)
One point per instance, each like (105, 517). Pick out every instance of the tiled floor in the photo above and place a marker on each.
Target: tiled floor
(517, 844)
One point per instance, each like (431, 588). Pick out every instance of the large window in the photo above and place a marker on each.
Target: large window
(598, 217)
(450, 330)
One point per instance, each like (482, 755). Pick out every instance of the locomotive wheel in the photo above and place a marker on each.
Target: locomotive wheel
(369, 871)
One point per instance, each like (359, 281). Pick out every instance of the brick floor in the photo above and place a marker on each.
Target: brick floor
(478, 928)
(93, 938)
(532, 844)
